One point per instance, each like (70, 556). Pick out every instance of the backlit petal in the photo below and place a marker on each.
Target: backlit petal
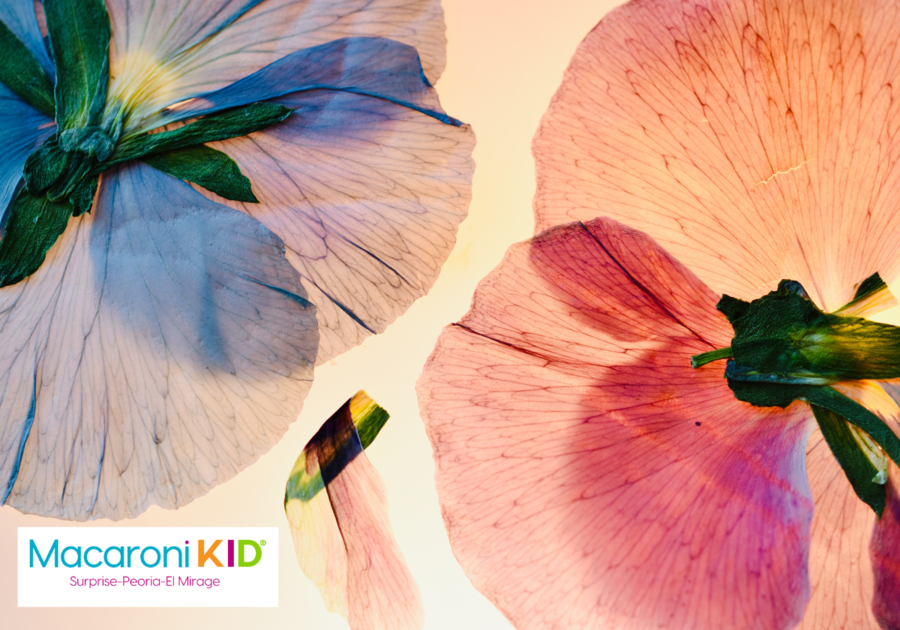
(164, 345)
(20, 135)
(166, 51)
(589, 477)
(367, 196)
(839, 566)
(754, 140)
(364, 65)
(338, 512)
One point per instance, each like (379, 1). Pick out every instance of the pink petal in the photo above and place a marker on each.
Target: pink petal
(755, 141)
(165, 51)
(366, 195)
(342, 532)
(588, 476)
(839, 566)
(885, 552)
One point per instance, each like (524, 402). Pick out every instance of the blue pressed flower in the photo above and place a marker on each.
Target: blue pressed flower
(200, 200)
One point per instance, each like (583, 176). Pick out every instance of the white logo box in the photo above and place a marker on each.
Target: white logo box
(98, 567)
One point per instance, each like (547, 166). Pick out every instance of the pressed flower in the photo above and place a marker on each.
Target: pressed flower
(337, 506)
(212, 197)
(589, 475)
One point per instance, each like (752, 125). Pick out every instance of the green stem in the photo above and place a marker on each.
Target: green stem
(707, 357)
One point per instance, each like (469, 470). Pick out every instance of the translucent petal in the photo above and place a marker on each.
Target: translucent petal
(755, 141)
(339, 521)
(364, 65)
(885, 551)
(22, 130)
(166, 51)
(164, 345)
(367, 196)
(20, 17)
(589, 477)
(839, 565)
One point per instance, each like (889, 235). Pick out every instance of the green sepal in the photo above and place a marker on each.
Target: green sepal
(370, 422)
(732, 308)
(82, 197)
(21, 72)
(872, 284)
(785, 335)
(79, 37)
(862, 474)
(213, 128)
(206, 167)
(46, 166)
(34, 225)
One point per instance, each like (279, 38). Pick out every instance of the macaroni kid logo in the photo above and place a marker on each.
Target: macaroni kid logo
(142, 567)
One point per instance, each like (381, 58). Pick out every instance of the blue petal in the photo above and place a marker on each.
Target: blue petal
(19, 16)
(371, 66)
(367, 196)
(163, 346)
(20, 134)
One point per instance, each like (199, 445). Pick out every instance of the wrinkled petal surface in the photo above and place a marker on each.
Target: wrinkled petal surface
(367, 196)
(163, 346)
(166, 51)
(755, 141)
(373, 66)
(338, 511)
(20, 135)
(21, 19)
(589, 477)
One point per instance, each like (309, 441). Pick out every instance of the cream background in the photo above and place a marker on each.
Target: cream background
(505, 61)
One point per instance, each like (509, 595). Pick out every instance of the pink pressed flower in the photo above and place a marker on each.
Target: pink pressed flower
(589, 476)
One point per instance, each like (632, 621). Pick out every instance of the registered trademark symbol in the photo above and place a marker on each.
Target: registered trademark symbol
(262, 542)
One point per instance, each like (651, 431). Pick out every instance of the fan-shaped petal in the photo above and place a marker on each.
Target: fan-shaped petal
(367, 195)
(163, 346)
(166, 51)
(589, 477)
(755, 141)
(20, 17)
(337, 508)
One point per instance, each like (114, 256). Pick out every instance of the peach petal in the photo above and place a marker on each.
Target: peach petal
(753, 140)
(588, 476)
(839, 565)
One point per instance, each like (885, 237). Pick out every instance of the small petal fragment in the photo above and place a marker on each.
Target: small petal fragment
(188, 303)
(161, 56)
(366, 195)
(589, 476)
(754, 140)
(342, 536)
